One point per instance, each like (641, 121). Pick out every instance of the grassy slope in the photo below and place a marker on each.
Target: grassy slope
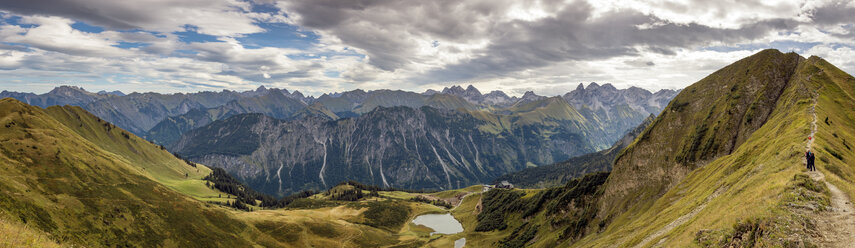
(707, 120)
(148, 160)
(61, 183)
(751, 181)
(69, 177)
(837, 103)
(16, 234)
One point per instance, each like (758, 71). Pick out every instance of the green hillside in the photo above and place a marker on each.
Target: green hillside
(55, 179)
(722, 166)
(760, 184)
(147, 159)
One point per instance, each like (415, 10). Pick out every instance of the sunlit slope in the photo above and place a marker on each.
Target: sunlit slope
(144, 157)
(16, 234)
(720, 189)
(707, 120)
(55, 180)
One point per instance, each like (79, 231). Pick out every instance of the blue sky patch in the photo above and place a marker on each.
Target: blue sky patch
(190, 35)
(127, 45)
(280, 35)
(332, 74)
(82, 26)
(16, 20)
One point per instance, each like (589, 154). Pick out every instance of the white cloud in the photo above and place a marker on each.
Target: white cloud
(56, 34)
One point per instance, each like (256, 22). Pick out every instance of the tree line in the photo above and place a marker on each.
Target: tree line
(245, 196)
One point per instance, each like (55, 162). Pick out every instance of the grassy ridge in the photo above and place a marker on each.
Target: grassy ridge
(746, 184)
(835, 134)
(146, 158)
(59, 182)
(706, 121)
(755, 195)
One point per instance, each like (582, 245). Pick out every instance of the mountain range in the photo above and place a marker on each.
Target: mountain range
(141, 112)
(525, 131)
(433, 141)
(722, 165)
(421, 148)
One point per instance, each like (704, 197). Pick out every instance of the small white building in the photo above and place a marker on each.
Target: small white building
(504, 185)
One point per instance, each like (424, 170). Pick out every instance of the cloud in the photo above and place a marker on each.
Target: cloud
(56, 34)
(213, 17)
(483, 39)
(514, 45)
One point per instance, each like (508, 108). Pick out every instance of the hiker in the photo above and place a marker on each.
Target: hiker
(812, 161)
(809, 157)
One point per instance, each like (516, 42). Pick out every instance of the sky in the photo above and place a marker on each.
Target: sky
(322, 46)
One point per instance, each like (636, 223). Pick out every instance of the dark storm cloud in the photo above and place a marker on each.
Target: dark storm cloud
(215, 17)
(384, 28)
(573, 35)
(836, 13)
(89, 11)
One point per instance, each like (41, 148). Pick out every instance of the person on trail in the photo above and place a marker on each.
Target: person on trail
(812, 162)
(809, 157)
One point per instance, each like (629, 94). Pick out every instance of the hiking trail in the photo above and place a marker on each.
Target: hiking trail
(837, 226)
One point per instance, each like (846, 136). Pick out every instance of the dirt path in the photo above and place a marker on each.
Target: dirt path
(460, 202)
(838, 225)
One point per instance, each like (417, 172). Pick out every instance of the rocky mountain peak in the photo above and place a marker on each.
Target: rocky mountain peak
(67, 90)
(472, 91)
(531, 95)
(608, 87)
(115, 93)
(497, 93)
(453, 90)
(297, 93)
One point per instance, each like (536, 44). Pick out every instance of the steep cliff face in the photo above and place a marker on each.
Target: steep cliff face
(403, 147)
(707, 120)
(619, 110)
